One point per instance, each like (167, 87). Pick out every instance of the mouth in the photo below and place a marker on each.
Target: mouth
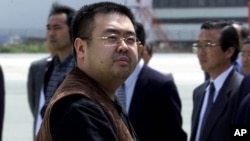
(202, 61)
(122, 60)
(52, 40)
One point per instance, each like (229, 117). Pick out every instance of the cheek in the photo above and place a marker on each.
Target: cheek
(247, 60)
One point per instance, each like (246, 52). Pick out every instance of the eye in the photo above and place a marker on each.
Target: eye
(131, 40)
(112, 38)
(207, 44)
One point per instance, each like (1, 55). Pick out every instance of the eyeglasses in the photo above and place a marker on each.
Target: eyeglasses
(245, 53)
(203, 46)
(115, 40)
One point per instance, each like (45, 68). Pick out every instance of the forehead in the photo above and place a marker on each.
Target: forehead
(113, 22)
(57, 19)
(209, 35)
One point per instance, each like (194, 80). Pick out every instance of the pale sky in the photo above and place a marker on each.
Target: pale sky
(16, 14)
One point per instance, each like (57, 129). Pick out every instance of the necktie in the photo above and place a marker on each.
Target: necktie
(209, 104)
(121, 95)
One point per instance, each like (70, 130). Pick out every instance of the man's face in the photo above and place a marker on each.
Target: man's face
(210, 55)
(105, 60)
(58, 32)
(245, 58)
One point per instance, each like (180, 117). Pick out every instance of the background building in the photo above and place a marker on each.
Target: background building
(180, 20)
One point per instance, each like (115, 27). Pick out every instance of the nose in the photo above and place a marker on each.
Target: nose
(244, 59)
(123, 47)
(50, 33)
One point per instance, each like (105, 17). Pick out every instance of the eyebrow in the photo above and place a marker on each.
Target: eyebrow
(115, 31)
(205, 41)
(55, 25)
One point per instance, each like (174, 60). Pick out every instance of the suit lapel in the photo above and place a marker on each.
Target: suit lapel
(137, 96)
(199, 97)
(221, 104)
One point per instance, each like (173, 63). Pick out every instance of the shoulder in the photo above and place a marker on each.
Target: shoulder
(199, 89)
(76, 108)
(75, 102)
(236, 78)
(246, 79)
(153, 74)
(243, 112)
(39, 62)
(76, 117)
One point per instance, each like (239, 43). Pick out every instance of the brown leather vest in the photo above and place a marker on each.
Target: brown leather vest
(77, 82)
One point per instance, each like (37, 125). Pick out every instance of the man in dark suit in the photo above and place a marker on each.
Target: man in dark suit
(242, 34)
(153, 103)
(2, 102)
(217, 48)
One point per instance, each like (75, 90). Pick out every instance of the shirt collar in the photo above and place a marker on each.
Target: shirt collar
(219, 81)
(134, 75)
(65, 61)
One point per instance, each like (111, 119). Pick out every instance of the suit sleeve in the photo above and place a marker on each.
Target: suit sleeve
(31, 89)
(174, 118)
(2, 101)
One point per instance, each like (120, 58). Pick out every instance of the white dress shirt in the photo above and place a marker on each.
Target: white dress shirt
(130, 83)
(38, 116)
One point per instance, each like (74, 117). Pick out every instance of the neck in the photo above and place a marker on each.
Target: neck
(214, 74)
(62, 54)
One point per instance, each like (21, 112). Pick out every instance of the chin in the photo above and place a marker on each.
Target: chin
(203, 68)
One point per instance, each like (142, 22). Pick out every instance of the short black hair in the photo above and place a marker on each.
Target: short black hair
(83, 22)
(150, 48)
(229, 38)
(214, 25)
(140, 32)
(58, 9)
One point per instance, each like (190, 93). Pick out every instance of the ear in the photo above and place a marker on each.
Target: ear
(230, 51)
(80, 47)
(140, 49)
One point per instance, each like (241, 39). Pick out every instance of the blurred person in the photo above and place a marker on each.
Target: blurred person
(245, 57)
(243, 111)
(46, 75)
(242, 34)
(215, 101)
(58, 37)
(2, 102)
(35, 81)
(147, 52)
(152, 101)
(244, 89)
(106, 52)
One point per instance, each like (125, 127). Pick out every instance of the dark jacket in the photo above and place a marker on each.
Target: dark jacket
(155, 108)
(217, 127)
(35, 82)
(81, 110)
(2, 102)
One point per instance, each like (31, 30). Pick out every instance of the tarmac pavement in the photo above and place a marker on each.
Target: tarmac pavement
(18, 121)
